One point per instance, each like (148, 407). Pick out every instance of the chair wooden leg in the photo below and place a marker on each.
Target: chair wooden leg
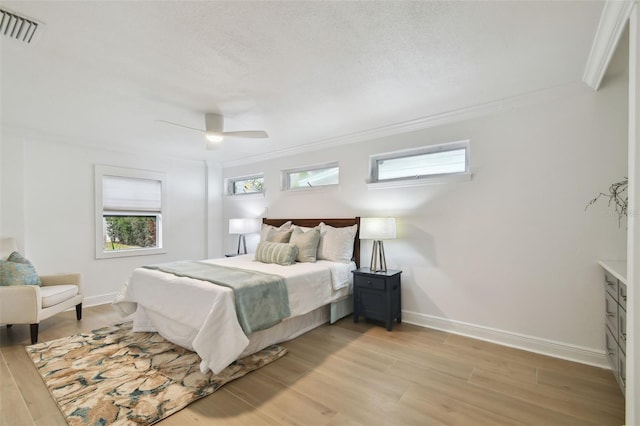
(79, 311)
(34, 333)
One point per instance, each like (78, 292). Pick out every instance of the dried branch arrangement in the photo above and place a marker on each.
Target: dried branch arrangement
(617, 196)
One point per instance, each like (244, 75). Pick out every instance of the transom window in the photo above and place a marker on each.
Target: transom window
(421, 163)
(312, 176)
(245, 185)
(129, 211)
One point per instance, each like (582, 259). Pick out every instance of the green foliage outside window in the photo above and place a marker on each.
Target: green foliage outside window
(130, 232)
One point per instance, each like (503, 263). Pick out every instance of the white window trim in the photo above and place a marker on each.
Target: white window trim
(103, 170)
(374, 183)
(285, 177)
(229, 184)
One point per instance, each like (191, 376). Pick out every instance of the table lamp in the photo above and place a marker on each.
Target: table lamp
(378, 229)
(242, 226)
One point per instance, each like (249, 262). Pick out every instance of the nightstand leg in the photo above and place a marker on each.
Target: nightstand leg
(399, 319)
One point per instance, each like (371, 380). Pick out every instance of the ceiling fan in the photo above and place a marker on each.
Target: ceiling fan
(214, 130)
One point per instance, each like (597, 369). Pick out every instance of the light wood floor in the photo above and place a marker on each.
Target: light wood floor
(355, 374)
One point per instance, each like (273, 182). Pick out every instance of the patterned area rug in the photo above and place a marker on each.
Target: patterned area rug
(116, 377)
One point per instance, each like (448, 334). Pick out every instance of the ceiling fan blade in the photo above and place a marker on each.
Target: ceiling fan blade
(255, 134)
(180, 125)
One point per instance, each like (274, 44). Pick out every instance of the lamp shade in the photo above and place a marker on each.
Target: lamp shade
(377, 228)
(244, 226)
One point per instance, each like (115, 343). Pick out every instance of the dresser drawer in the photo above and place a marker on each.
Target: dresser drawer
(622, 329)
(611, 312)
(373, 283)
(611, 284)
(622, 294)
(622, 371)
(612, 350)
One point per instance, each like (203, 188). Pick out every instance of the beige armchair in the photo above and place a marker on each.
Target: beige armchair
(30, 304)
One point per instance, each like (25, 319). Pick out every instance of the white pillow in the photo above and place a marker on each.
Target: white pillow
(336, 244)
(264, 232)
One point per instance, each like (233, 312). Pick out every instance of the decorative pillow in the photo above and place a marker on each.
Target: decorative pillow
(307, 243)
(276, 236)
(264, 231)
(281, 253)
(336, 244)
(17, 270)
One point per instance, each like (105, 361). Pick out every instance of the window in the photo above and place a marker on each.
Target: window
(245, 185)
(129, 212)
(426, 163)
(312, 176)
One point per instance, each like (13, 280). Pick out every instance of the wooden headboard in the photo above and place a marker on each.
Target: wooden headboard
(336, 223)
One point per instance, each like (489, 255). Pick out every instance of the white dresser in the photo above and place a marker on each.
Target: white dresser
(615, 293)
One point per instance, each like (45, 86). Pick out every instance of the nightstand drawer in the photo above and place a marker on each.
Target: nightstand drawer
(373, 283)
(374, 303)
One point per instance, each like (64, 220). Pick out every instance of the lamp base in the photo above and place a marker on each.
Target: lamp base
(244, 244)
(377, 256)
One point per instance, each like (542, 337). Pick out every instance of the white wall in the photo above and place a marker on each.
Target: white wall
(48, 205)
(511, 255)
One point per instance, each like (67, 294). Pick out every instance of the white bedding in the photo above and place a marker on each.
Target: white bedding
(201, 316)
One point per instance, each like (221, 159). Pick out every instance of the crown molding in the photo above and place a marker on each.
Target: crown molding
(454, 116)
(612, 22)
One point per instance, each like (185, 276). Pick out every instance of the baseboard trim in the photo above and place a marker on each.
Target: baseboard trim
(515, 340)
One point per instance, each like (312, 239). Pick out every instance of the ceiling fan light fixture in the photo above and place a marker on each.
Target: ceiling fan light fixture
(214, 137)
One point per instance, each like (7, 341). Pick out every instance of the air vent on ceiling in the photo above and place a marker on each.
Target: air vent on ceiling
(18, 27)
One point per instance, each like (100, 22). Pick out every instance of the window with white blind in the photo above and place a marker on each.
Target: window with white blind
(129, 211)
(434, 163)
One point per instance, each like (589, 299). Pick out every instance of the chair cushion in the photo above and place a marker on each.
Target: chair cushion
(54, 294)
(17, 270)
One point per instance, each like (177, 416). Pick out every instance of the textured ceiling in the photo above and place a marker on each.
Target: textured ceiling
(103, 72)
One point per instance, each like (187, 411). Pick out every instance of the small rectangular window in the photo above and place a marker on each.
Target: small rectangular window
(312, 176)
(422, 163)
(245, 185)
(129, 211)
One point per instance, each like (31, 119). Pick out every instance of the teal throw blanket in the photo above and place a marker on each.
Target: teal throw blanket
(261, 299)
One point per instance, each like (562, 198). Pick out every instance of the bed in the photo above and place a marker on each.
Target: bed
(191, 312)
